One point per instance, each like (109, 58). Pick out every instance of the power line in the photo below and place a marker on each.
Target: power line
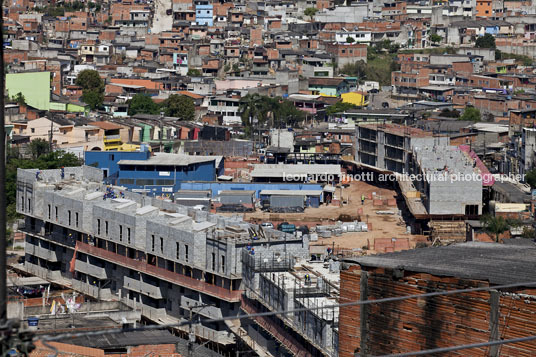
(461, 347)
(285, 312)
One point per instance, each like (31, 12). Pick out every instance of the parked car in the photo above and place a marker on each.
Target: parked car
(267, 225)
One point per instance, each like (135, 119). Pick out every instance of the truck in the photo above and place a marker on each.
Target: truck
(286, 227)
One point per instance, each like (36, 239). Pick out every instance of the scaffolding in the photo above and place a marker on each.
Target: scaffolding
(267, 262)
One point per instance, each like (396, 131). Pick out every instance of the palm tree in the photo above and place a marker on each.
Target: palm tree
(495, 225)
(252, 108)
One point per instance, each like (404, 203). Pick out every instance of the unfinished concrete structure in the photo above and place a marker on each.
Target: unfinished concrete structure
(448, 180)
(168, 261)
(527, 155)
(388, 146)
(281, 281)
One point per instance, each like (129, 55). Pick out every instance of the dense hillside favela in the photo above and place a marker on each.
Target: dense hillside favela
(268, 178)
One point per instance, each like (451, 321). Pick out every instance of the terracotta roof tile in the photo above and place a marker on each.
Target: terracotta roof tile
(106, 125)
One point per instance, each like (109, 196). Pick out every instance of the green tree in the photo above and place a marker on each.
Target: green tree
(93, 98)
(495, 225)
(39, 147)
(350, 39)
(19, 99)
(281, 112)
(339, 107)
(357, 69)
(378, 69)
(530, 178)
(45, 161)
(435, 38)
(90, 79)
(92, 86)
(193, 72)
(179, 106)
(253, 107)
(486, 41)
(471, 114)
(142, 103)
(286, 114)
(311, 12)
(447, 113)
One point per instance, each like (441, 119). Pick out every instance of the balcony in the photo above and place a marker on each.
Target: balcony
(43, 253)
(175, 278)
(211, 312)
(42, 272)
(222, 337)
(49, 236)
(153, 313)
(90, 269)
(142, 287)
(91, 290)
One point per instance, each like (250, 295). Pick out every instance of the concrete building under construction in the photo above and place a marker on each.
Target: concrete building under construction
(387, 147)
(276, 281)
(166, 260)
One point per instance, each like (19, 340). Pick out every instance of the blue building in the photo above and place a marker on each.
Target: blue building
(204, 13)
(107, 161)
(158, 175)
(216, 187)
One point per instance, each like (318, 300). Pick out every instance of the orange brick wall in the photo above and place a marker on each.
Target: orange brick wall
(10, 56)
(255, 36)
(465, 67)
(483, 8)
(483, 82)
(354, 50)
(349, 317)
(107, 35)
(146, 350)
(419, 324)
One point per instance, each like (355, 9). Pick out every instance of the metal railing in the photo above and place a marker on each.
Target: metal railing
(144, 267)
(275, 330)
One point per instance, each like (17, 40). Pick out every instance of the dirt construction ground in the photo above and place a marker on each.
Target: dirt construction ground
(382, 226)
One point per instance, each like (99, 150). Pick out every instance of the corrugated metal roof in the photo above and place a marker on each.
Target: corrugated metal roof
(493, 262)
(291, 192)
(282, 170)
(126, 339)
(172, 160)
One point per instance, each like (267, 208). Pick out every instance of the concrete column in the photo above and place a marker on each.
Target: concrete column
(494, 299)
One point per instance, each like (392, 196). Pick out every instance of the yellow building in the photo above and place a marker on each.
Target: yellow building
(359, 99)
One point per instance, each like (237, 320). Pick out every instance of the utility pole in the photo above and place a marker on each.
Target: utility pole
(191, 333)
(3, 238)
(10, 333)
(161, 132)
(191, 336)
(51, 132)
